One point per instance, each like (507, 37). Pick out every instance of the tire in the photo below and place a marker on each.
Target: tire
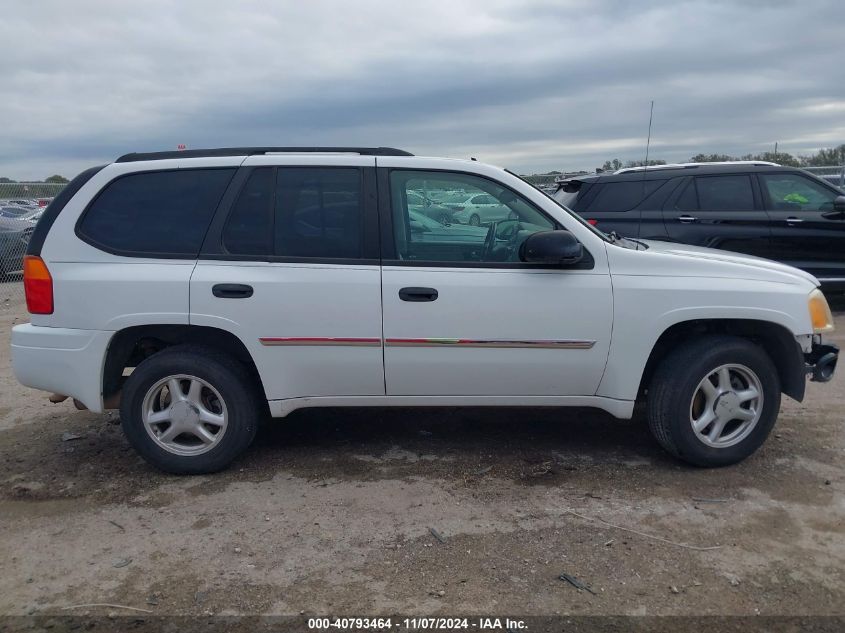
(445, 219)
(678, 399)
(220, 416)
(474, 220)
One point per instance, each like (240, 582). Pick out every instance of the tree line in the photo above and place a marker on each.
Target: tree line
(826, 156)
(54, 179)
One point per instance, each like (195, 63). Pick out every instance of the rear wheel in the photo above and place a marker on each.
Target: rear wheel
(714, 401)
(190, 410)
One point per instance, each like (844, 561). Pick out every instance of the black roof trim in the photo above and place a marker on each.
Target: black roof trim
(251, 151)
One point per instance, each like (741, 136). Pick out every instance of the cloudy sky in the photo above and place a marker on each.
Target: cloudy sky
(528, 84)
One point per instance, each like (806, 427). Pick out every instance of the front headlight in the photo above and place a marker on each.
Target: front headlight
(820, 315)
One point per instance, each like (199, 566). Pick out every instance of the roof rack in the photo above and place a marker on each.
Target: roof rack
(759, 163)
(252, 151)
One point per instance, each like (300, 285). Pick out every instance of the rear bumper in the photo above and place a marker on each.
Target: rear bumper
(820, 361)
(61, 360)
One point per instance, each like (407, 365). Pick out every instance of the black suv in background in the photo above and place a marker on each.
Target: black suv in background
(763, 209)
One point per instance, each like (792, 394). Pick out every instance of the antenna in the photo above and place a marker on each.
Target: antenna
(645, 166)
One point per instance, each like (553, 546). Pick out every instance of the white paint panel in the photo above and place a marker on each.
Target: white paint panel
(299, 300)
(670, 283)
(483, 303)
(100, 295)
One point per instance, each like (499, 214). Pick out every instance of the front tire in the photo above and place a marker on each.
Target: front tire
(189, 410)
(474, 220)
(713, 402)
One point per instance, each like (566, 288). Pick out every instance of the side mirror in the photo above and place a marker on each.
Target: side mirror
(839, 203)
(556, 248)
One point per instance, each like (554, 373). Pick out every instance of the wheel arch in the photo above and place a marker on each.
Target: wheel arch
(130, 346)
(776, 340)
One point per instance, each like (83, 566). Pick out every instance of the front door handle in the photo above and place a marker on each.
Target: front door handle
(792, 221)
(231, 291)
(418, 294)
(687, 219)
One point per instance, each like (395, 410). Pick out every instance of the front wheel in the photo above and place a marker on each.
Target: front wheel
(474, 220)
(190, 410)
(714, 402)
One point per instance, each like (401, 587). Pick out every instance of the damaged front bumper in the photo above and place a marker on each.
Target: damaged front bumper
(820, 361)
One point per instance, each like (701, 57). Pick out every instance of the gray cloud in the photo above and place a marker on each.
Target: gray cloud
(529, 85)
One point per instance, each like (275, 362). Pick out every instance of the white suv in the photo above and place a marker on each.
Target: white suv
(199, 291)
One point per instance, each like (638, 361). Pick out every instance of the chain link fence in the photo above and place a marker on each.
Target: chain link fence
(834, 174)
(21, 204)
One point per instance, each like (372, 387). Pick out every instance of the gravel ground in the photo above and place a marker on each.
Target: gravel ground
(437, 511)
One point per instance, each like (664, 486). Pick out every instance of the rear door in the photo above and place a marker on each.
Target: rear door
(291, 267)
(721, 211)
(807, 232)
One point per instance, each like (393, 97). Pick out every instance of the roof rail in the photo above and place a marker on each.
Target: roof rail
(759, 163)
(252, 151)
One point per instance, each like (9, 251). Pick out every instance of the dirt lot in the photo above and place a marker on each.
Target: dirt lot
(330, 513)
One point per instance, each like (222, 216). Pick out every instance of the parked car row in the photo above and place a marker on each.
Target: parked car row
(17, 220)
(25, 202)
(14, 237)
(756, 208)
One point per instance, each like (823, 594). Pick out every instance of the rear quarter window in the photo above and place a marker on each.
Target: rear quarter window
(616, 197)
(160, 213)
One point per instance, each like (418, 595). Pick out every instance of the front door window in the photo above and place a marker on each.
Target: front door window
(454, 217)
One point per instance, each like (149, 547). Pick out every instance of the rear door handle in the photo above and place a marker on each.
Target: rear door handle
(231, 291)
(794, 220)
(687, 219)
(418, 294)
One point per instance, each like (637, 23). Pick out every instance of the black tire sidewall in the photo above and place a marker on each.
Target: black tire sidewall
(685, 380)
(240, 400)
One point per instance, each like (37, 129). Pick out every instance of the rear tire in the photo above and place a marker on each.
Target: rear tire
(190, 410)
(702, 406)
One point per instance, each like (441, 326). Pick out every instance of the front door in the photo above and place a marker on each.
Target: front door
(463, 316)
(718, 212)
(292, 270)
(807, 232)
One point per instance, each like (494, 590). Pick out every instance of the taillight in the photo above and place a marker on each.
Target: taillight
(37, 285)
(592, 222)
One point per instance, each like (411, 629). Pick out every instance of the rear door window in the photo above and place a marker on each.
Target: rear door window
(688, 200)
(298, 212)
(250, 223)
(725, 193)
(159, 213)
(318, 213)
